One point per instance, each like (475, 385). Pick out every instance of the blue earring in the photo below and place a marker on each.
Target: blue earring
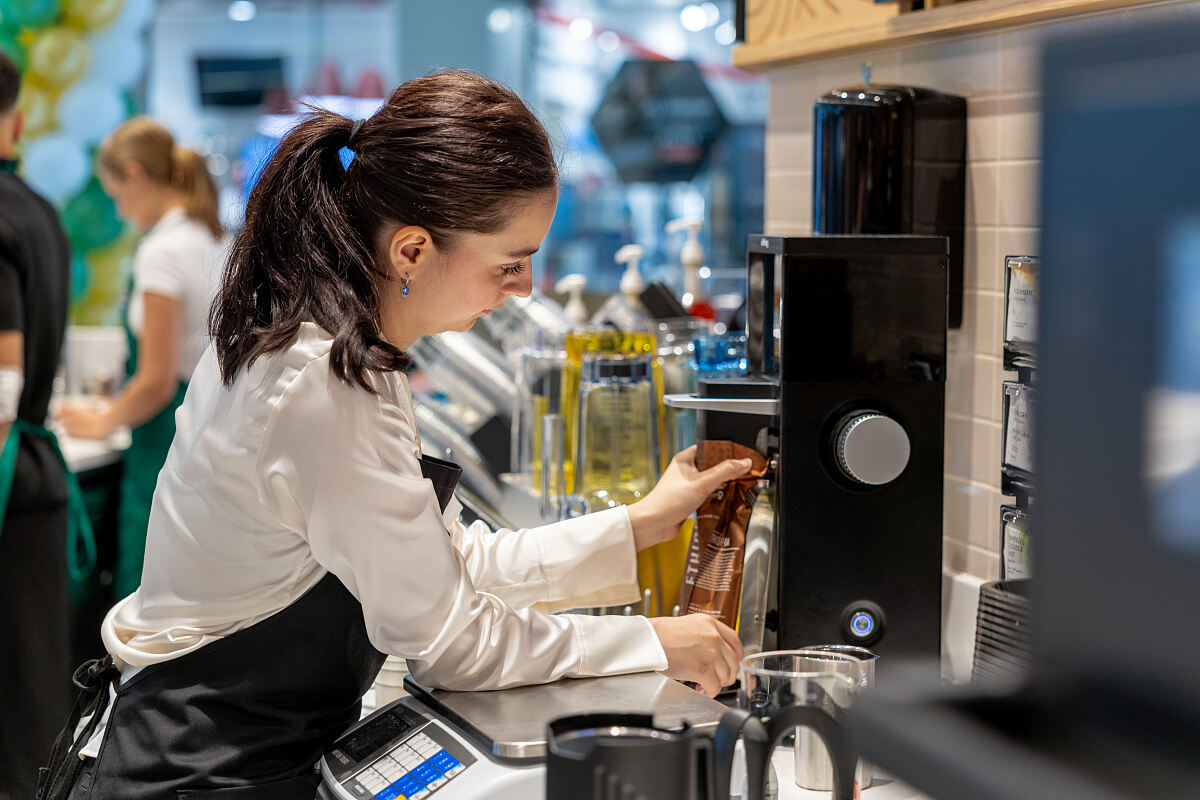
(404, 287)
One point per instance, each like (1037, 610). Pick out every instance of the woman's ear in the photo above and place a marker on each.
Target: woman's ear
(409, 248)
(134, 173)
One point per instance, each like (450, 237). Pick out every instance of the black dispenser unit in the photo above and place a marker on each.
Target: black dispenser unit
(892, 159)
(849, 334)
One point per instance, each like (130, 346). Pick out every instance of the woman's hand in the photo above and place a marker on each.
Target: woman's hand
(699, 648)
(657, 516)
(85, 421)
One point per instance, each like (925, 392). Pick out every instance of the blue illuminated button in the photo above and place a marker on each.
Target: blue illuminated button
(445, 762)
(427, 774)
(387, 794)
(862, 624)
(409, 786)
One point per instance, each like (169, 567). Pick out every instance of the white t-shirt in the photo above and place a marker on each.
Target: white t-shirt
(181, 259)
(291, 473)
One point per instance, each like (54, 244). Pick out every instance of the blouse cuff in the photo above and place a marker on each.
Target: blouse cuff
(612, 645)
(588, 561)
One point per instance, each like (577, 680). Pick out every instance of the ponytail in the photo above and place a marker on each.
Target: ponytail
(453, 153)
(189, 171)
(298, 257)
(143, 141)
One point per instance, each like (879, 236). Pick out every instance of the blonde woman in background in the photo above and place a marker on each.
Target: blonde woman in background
(167, 192)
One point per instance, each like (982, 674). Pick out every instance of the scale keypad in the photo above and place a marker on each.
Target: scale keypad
(411, 770)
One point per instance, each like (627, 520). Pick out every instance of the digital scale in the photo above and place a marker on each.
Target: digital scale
(463, 745)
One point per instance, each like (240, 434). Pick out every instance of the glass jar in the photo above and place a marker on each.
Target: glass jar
(539, 392)
(618, 456)
(604, 342)
(676, 354)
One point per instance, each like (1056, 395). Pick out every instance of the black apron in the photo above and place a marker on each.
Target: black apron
(243, 718)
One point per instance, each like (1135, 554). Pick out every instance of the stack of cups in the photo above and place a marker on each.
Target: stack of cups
(389, 684)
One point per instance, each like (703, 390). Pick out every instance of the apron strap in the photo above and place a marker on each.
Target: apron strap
(58, 777)
(81, 542)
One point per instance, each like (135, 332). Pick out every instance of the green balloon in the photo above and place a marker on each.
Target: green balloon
(10, 45)
(28, 13)
(91, 219)
(81, 278)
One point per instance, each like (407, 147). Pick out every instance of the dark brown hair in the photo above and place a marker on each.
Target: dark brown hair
(452, 152)
(143, 141)
(10, 83)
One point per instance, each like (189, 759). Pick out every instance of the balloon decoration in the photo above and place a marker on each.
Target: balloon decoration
(106, 269)
(79, 278)
(90, 14)
(28, 13)
(39, 103)
(79, 60)
(59, 56)
(91, 219)
(56, 166)
(118, 57)
(11, 45)
(89, 111)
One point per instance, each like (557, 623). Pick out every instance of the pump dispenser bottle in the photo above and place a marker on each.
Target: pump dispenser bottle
(624, 310)
(691, 256)
(573, 285)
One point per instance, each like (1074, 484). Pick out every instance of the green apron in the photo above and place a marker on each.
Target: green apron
(145, 457)
(81, 545)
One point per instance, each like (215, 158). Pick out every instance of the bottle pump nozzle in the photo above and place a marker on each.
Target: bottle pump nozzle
(573, 286)
(691, 255)
(631, 281)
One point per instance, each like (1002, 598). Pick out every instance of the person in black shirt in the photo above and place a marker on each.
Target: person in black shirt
(35, 671)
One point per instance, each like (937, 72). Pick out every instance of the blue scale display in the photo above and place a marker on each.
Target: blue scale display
(399, 754)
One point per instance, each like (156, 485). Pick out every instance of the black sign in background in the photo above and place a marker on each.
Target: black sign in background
(657, 121)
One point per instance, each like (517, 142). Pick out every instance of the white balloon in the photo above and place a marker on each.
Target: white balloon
(135, 15)
(118, 56)
(90, 110)
(56, 166)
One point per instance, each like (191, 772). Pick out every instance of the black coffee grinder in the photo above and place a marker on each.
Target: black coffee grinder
(892, 159)
(846, 347)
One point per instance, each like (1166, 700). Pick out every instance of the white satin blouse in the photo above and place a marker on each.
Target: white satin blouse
(291, 473)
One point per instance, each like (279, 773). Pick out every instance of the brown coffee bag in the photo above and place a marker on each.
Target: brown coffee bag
(712, 579)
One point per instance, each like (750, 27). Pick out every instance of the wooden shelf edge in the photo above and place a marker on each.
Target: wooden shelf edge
(963, 17)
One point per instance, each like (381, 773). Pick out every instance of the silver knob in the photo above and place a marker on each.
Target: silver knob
(872, 448)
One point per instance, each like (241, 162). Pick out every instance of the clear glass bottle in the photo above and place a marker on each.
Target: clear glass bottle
(539, 392)
(579, 345)
(676, 354)
(618, 453)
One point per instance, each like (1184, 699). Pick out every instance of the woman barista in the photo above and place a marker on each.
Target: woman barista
(294, 540)
(167, 192)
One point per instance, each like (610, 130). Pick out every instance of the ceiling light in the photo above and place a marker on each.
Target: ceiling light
(580, 28)
(499, 20)
(693, 18)
(725, 34)
(608, 41)
(242, 10)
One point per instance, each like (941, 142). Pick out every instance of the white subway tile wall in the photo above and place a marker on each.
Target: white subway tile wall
(998, 73)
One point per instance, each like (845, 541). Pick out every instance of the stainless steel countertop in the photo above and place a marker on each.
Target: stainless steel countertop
(511, 723)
